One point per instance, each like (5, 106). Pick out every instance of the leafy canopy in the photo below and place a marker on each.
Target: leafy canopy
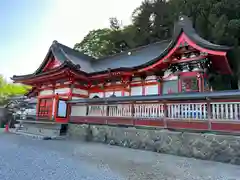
(8, 90)
(215, 20)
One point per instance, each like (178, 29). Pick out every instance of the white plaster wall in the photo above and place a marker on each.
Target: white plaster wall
(46, 92)
(151, 89)
(151, 78)
(74, 98)
(126, 93)
(62, 90)
(78, 110)
(137, 90)
(109, 93)
(117, 93)
(80, 91)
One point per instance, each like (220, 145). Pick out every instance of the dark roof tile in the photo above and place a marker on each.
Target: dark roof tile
(131, 59)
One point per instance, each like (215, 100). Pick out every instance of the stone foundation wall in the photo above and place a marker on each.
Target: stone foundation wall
(223, 148)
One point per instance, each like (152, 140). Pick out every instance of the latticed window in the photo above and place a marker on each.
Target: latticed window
(45, 107)
(190, 84)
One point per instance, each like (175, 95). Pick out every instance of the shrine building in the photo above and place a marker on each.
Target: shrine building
(176, 66)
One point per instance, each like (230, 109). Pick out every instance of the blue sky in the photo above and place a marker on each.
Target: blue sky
(28, 27)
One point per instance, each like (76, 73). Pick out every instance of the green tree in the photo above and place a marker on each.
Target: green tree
(153, 20)
(8, 90)
(215, 20)
(104, 42)
(96, 43)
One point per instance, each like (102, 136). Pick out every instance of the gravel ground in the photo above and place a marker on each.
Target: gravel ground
(24, 158)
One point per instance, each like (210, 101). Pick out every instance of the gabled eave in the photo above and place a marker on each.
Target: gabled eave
(182, 28)
(65, 65)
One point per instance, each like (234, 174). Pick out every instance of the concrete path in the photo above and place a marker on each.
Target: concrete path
(25, 158)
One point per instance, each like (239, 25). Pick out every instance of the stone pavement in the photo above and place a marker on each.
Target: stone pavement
(26, 158)
(2, 130)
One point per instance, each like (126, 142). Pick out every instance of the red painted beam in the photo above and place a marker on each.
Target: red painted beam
(149, 122)
(225, 126)
(87, 119)
(191, 124)
(120, 121)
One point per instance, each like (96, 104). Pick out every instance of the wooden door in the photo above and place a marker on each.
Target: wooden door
(45, 108)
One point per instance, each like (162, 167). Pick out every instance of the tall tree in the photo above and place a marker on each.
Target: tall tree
(96, 43)
(8, 90)
(215, 20)
(153, 20)
(104, 42)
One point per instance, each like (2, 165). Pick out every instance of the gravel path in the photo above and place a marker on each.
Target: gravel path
(24, 158)
(20, 161)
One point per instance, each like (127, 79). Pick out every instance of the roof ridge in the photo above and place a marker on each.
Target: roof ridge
(134, 49)
(185, 23)
(78, 53)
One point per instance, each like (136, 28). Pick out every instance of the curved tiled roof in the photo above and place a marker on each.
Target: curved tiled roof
(185, 25)
(141, 56)
(131, 59)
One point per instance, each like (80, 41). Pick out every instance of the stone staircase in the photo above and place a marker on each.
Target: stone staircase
(42, 129)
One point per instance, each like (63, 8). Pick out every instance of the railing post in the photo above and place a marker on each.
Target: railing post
(107, 110)
(107, 113)
(165, 115)
(87, 109)
(133, 112)
(209, 114)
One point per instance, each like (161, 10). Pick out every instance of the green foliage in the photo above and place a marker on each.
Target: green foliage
(215, 20)
(154, 21)
(104, 42)
(96, 43)
(8, 90)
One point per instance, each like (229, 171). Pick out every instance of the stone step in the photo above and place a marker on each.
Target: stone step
(42, 129)
(35, 136)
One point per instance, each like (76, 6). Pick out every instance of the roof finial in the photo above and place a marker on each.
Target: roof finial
(55, 42)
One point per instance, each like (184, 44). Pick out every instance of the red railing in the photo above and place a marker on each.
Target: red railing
(210, 112)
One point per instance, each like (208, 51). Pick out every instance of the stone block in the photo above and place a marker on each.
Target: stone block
(223, 148)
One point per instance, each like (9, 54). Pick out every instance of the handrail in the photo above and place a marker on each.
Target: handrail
(234, 94)
(217, 111)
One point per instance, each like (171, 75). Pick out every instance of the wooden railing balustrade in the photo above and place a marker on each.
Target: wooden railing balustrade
(218, 110)
(217, 114)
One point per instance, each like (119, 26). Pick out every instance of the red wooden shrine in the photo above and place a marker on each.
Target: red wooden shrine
(179, 65)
